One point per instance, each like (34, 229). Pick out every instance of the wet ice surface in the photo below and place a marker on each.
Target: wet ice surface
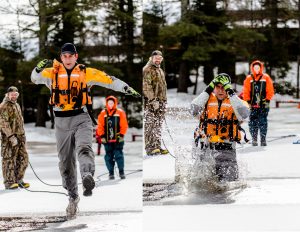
(270, 200)
(114, 206)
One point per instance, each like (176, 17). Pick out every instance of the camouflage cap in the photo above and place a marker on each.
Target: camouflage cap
(12, 89)
(156, 52)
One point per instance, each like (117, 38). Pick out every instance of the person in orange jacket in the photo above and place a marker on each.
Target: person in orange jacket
(258, 91)
(112, 126)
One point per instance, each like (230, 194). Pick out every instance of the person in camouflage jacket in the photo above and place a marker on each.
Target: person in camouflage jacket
(13, 150)
(155, 99)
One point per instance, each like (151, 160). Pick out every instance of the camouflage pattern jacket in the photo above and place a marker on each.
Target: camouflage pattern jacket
(11, 120)
(154, 82)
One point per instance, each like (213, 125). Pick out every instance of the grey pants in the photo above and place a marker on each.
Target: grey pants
(74, 135)
(226, 165)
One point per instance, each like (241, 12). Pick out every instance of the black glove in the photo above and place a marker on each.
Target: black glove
(266, 103)
(120, 138)
(103, 140)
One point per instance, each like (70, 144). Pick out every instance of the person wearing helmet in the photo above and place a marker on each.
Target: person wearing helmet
(258, 91)
(13, 150)
(70, 85)
(155, 100)
(220, 111)
(112, 126)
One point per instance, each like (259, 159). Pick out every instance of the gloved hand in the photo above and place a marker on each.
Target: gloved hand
(154, 104)
(132, 92)
(22, 138)
(120, 138)
(266, 103)
(211, 85)
(13, 140)
(41, 65)
(103, 140)
(225, 81)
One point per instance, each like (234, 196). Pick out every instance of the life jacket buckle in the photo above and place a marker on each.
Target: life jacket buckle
(64, 92)
(216, 139)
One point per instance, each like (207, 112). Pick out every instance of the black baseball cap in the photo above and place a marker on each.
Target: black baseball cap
(68, 48)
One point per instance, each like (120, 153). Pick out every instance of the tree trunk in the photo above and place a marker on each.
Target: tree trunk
(42, 105)
(184, 8)
(130, 38)
(41, 116)
(43, 28)
(68, 31)
(228, 66)
(208, 73)
(196, 81)
(183, 81)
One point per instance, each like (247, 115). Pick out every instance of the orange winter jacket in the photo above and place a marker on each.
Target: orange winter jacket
(258, 88)
(220, 120)
(112, 122)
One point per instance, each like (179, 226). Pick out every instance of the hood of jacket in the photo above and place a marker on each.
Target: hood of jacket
(115, 105)
(261, 68)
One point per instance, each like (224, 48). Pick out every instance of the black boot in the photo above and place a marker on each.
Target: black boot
(111, 176)
(122, 174)
(263, 142)
(254, 141)
(88, 184)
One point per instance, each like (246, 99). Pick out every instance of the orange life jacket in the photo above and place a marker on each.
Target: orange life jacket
(69, 92)
(219, 120)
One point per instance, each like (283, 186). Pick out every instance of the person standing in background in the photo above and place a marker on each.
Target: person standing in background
(13, 150)
(112, 127)
(258, 90)
(155, 100)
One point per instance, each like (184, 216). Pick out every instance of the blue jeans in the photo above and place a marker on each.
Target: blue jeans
(258, 121)
(114, 154)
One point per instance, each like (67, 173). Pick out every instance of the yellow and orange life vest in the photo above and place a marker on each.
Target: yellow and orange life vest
(69, 92)
(219, 121)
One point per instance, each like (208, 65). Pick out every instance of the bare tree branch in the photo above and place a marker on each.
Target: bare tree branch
(33, 6)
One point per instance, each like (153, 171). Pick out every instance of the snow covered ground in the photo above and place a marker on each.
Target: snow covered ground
(115, 205)
(271, 200)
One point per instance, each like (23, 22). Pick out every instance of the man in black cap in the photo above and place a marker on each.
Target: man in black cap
(70, 85)
(13, 150)
(155, 100)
